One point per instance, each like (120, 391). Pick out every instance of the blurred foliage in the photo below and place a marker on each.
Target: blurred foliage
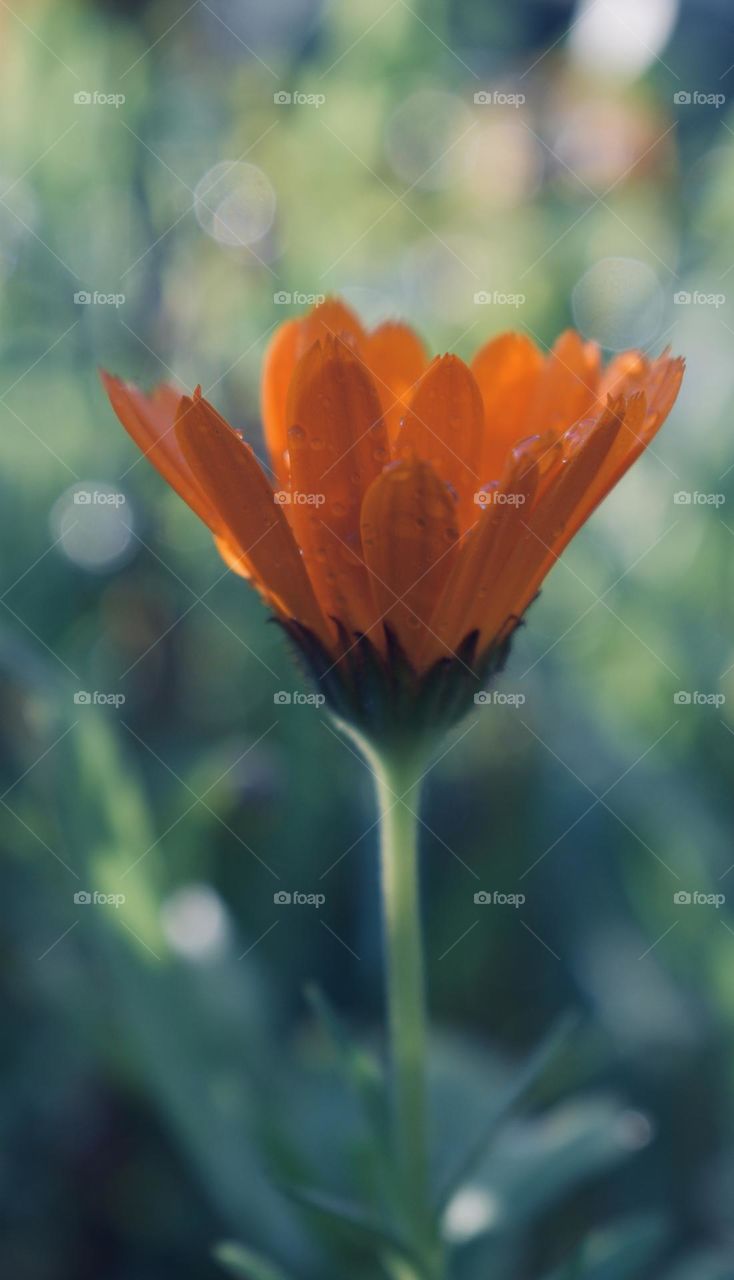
(166, 1084)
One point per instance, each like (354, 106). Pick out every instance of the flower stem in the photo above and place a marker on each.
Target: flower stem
(397, 793)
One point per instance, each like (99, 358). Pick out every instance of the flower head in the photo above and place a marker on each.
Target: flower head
(415, 505)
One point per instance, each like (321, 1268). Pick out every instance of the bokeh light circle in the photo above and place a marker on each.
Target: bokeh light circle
(92, 525)
(194, 921)
(235, 203)
(423, 139)
(619, 302)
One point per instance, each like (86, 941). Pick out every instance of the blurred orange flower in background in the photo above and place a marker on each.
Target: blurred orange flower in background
(414, 500)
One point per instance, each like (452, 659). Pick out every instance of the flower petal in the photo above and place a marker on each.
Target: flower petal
(337, 446)
(409, 538)
(487, 547)
(234, 482)
(150, 421)
(332, 318)
(651, 389)
(444, 425)
(507, 370)
(396, 358)
(550, 523)
(567, 388)
(278, 365)
(291, 340)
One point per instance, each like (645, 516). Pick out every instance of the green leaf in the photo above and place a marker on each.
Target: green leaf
(352, 1216)
(621, 1252)
(360, 1068)
(528, 1074)
(573, 1269)
(246, 1265)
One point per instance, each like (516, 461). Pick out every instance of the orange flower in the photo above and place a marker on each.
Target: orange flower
(416, 506)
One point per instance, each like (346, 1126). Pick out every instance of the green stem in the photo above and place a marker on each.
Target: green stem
(398, 775)
(397, 793)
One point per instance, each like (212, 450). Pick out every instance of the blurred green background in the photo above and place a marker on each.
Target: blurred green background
(159, 199)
